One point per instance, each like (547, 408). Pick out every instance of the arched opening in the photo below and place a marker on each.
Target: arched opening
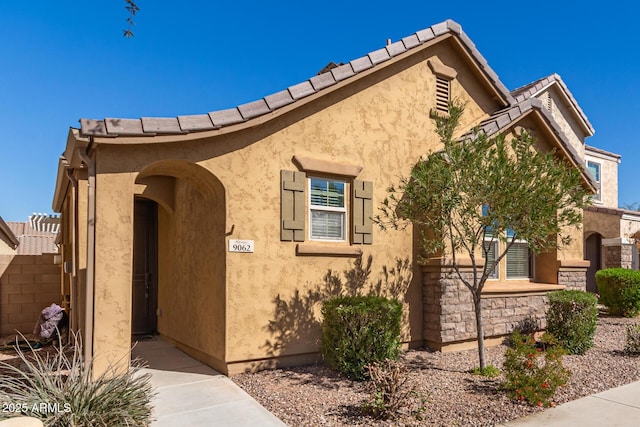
(593, 252)
(180, 214)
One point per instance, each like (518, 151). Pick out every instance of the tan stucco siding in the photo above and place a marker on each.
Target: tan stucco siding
(608, 180)
(380, 122)
(565, 118)
(605, 224)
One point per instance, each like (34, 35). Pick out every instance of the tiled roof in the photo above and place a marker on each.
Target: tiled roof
(614, 211)
(530, 90)
(505, 118)
(148, 126)
(601, 151)
(33, 242)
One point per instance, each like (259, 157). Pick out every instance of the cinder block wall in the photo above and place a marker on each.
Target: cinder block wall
(29, 284)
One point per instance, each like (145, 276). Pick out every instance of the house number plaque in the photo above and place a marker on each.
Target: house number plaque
(244, 246)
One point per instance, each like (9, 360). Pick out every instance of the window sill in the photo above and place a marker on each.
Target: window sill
(327, 250)
(518, 288)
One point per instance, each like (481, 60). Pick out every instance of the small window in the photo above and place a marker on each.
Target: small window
(519, 261)
(443, 94)
(594, 168)
(327, 209)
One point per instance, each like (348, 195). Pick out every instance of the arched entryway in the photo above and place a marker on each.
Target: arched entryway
(181, 207)
(593, 252)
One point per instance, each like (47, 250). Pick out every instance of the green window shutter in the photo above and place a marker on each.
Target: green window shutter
(362, 202)
(292, 205)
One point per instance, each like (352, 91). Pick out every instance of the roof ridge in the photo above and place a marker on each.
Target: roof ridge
(152, 126)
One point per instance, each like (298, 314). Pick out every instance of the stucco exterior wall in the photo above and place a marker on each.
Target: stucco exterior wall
(609, 180)
(563, 115)
(599, 222)
(380, 121)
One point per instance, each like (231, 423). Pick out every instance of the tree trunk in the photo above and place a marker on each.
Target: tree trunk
(477, 304)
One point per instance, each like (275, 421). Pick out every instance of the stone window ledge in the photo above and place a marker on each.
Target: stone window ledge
(327, 250)
(518, 288)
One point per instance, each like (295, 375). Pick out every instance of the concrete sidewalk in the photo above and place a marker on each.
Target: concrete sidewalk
(618, 407)
(190, 393)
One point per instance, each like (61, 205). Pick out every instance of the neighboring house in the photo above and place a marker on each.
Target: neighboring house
(214, 230)
(608, 230)
(29, 275)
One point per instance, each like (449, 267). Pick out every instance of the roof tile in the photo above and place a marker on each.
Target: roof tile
(378, 56)
(426, 34)
(342, 72)
(301, 90)
(124, 126)
(93, 127)
(278, 99)
(503, 120)
(160, 125)
(361, 64)
(196, 122)
(396, 48)
(454, 26)
(253, 109)
(440, 28)
(226, 117)
(410, 41)
(322, 80)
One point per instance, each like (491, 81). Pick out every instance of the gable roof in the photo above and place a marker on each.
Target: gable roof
(152, 126)
(532, 89)
(506, 118)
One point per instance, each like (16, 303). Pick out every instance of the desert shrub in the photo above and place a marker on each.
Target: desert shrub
(389, 390)
(619, 290)
(359, 330)
(632, 345)
(571, 318)
(73, 397)
(531, 375)
(489, 371)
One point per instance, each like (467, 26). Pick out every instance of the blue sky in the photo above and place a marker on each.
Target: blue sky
(64, 60)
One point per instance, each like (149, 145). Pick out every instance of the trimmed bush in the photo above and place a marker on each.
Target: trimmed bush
(571, 318)
(619, 290)
(359, 330)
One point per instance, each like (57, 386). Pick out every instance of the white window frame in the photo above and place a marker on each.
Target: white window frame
(344, 210)
(530, 258)
(598, 196)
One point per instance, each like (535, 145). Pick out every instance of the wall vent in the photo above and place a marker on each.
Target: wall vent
(443, 92)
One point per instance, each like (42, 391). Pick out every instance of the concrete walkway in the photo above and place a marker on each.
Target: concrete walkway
(190, 393)
(618, 407)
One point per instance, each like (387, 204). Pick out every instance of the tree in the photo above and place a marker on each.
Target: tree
(132, 8)
(479, 190)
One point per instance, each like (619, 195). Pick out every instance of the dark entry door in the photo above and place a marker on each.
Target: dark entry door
(145, 254)
(593, 253)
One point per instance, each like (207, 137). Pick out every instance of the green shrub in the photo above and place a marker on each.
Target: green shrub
(359, 330)
(632, 346)
(530, 376)
(64, 383)
(571, 318)
(489, 371)
(619, 290)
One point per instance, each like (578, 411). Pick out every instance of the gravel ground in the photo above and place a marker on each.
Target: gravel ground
(314, 396)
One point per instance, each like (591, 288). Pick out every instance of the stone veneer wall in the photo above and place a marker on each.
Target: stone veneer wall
(618, 256)
(449, 317)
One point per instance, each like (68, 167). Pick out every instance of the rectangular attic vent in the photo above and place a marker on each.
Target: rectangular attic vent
(442, 94)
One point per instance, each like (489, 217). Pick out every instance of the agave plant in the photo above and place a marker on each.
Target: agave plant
(60, 389)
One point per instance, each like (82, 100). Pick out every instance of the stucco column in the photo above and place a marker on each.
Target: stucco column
(113, 271)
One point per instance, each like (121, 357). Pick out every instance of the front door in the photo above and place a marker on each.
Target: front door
(145, 253)
(593, 253)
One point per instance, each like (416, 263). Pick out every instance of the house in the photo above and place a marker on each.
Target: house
(218, 230)
(29, 275)
(607, 230)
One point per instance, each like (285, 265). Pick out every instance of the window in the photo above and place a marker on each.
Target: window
(517, 262)
(594, 168)
(327, 209)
